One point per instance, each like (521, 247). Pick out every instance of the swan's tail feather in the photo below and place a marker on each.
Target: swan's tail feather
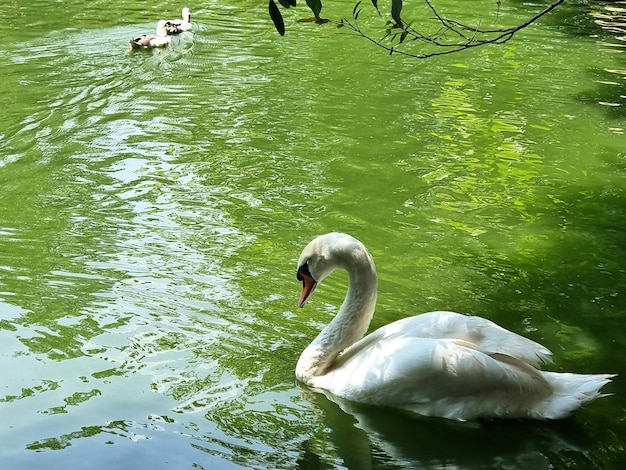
(570, 392)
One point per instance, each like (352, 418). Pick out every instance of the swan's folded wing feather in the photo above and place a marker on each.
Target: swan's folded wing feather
(425, 370)
(497, 340)
(486, 336)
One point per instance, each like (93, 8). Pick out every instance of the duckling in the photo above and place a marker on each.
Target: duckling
(160, 39)
(177, 26)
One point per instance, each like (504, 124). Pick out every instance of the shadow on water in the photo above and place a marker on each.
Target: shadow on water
(361, 433)
(603, 23)
(610, 21)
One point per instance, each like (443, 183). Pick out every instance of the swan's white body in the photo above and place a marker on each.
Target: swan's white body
(178, 26)
(160, 39)
(437, 364)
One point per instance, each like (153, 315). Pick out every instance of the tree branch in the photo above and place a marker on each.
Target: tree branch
(467, 36)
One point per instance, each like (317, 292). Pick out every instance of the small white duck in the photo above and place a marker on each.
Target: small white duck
(160, 39)
(177, 26)
(437, 364)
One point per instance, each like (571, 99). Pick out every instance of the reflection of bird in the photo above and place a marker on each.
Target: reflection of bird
(437, 364)
(159, 39)
(177, 26)
(364, 435)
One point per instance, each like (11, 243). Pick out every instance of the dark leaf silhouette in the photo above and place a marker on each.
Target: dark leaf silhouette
(277, 18)
(315, 6)
(396, 9)
(287, 3)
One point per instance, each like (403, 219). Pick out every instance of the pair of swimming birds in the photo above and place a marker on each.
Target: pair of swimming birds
(164, 30)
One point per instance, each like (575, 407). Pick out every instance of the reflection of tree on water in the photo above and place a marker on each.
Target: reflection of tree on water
(361, 432)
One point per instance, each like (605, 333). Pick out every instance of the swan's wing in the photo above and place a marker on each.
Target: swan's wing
(441, 377)
(483, 334)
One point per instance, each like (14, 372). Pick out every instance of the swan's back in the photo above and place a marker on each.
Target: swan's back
(487, 336)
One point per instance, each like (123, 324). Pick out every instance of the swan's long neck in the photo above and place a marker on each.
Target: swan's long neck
(161, 29)
(349, 325)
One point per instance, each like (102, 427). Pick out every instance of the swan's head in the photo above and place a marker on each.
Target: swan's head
(322, 256)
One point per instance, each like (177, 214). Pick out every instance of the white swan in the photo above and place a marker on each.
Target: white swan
(177, 26)
(437, 364)
(160, 39)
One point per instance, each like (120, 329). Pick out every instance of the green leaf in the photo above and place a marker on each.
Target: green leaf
(315, 6)
(277, 18)
(375, 3)
(396, 9)
(356, 7)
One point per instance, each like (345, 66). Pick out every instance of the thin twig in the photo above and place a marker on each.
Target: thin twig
(501, 35)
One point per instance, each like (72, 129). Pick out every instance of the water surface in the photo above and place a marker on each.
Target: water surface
(155, 203)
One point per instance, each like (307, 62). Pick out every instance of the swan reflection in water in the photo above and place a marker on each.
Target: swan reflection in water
(367, 436)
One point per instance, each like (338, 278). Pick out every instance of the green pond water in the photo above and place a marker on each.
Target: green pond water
(154, 204)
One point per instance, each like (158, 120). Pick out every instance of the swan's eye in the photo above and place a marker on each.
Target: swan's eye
(302, 272)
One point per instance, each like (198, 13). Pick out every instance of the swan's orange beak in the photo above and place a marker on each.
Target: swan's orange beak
(308, 284)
